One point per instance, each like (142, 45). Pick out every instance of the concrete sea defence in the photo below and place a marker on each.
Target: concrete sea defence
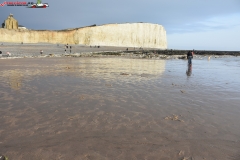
(144, 35)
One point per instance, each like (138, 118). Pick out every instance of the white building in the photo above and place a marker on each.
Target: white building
(21, 27)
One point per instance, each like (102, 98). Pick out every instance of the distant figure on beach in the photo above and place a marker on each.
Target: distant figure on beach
(41, 52)
(0, 53)
(98, 46)
(127, 49)
(190, 57)
(209, 58)
(70, 48)
(67, 46)
(9, 54)
(193, 52)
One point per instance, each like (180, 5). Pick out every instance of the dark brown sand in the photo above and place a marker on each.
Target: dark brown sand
(118, 108)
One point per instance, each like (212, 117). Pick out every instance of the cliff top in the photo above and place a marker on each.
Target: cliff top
(94, 25)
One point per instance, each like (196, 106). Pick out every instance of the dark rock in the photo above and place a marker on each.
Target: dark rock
(182, 57)
(2, 157)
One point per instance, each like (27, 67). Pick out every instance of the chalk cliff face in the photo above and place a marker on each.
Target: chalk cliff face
(127, 35)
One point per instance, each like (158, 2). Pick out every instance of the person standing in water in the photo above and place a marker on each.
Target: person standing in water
(190, 57)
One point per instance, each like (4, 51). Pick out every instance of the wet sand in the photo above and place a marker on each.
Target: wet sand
(28, 49)
(119, 108)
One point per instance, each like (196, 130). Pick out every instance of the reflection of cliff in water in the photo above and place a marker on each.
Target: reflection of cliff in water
(115, 68)
(132, 66)
(101, 68)
(15, 79)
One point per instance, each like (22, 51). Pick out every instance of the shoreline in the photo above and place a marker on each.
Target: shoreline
(58, 50)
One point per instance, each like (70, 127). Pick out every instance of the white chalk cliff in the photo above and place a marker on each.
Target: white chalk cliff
(126, 35)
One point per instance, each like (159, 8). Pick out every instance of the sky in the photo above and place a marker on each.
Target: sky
(189, 24)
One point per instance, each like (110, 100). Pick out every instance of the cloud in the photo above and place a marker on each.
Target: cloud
(177, 16)
(222, 39)
(210, 24)
(75, 13)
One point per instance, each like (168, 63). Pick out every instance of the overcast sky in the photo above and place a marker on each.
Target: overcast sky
(198, 24)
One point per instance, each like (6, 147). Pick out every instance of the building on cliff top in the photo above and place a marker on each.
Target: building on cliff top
(10, 23)
(21, 27)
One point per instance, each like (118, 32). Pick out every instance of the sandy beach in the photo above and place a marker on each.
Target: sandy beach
(117, 107)
(33, 50)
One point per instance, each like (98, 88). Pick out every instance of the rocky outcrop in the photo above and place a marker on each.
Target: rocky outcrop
(10, 23)
(144, 35)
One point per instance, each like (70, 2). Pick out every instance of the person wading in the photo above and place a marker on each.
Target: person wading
(190, 57)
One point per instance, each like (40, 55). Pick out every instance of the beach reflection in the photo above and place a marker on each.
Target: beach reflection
(100, 68)
(132, 106)
(15, 79)
(114, 68)
(189, 70)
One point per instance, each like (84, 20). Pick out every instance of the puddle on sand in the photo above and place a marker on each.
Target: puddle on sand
(71, 107)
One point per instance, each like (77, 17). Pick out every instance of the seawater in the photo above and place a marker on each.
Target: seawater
(121, 103)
